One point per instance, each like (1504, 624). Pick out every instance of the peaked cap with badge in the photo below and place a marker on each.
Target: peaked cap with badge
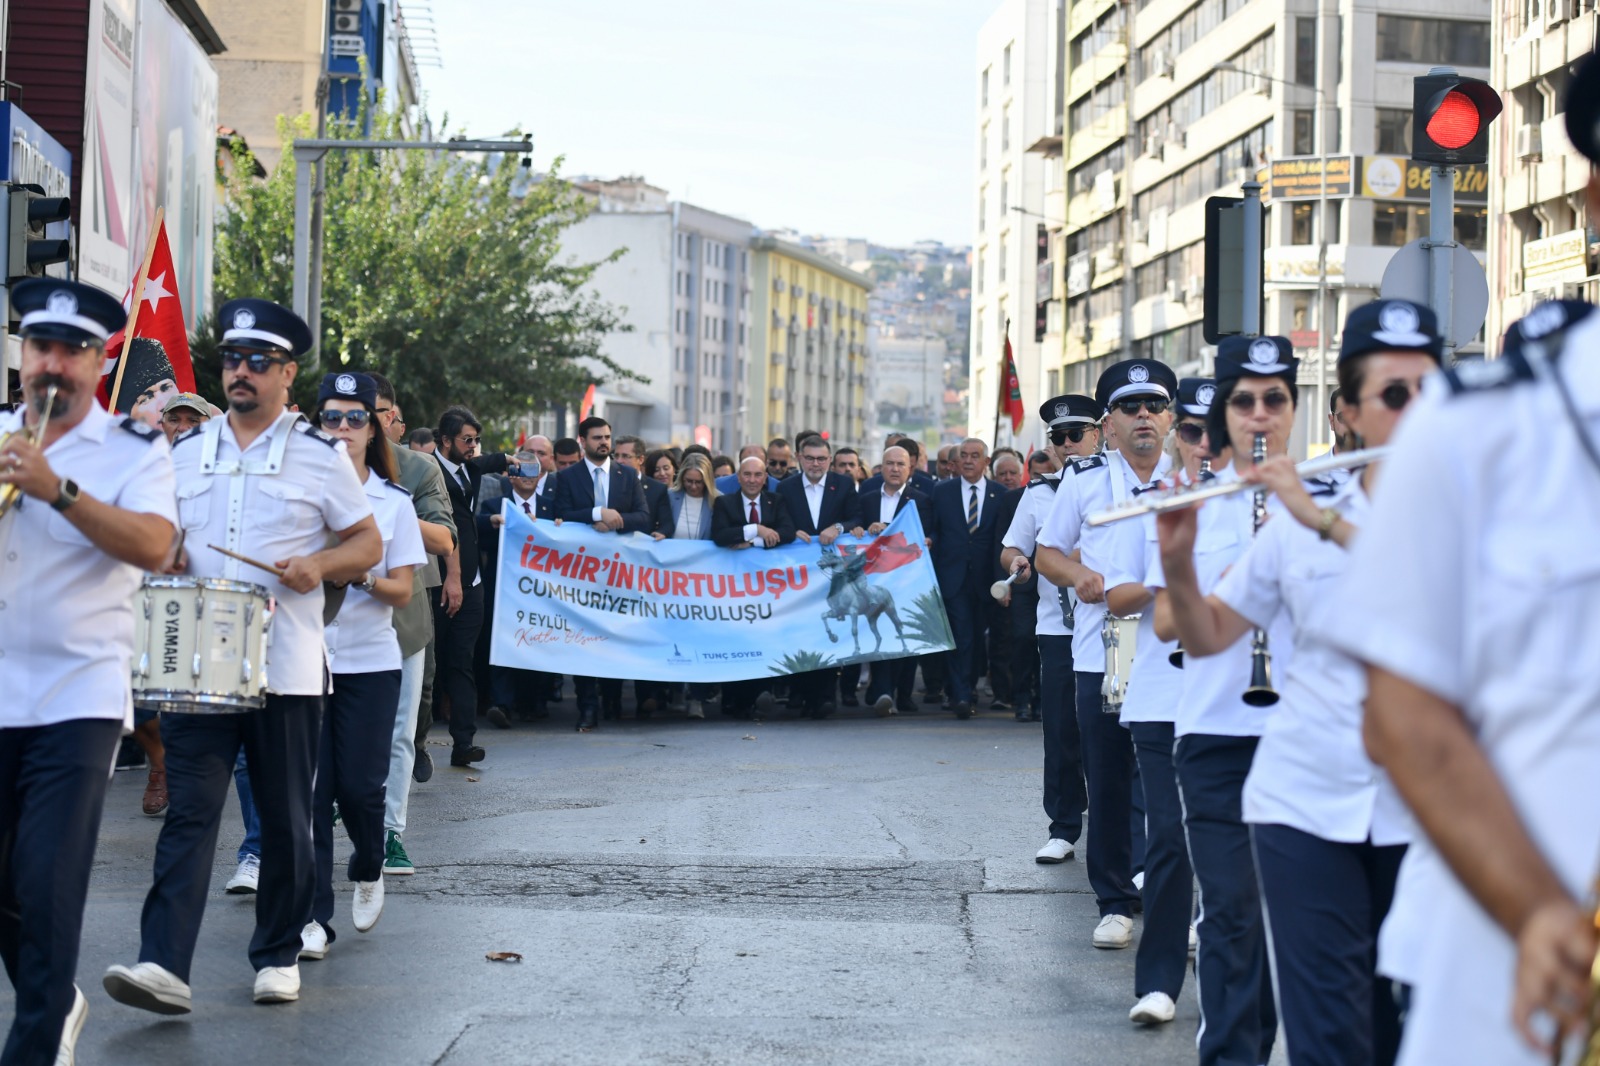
(348, 385)
(1069, 409)
(67, 311)
(1195, 396)
(1391, 326)
(1262, 357)
(251, 323)
(1135, 377)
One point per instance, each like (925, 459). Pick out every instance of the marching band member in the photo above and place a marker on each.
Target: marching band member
(1074, 430)
(1135, 394)
(1155, 687)
(261, 483)
(93, 508)
(364, 659)
(1216, 730)
(1329, 832)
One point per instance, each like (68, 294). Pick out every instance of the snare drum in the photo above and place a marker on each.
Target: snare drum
(200, 645)
(1121, 639)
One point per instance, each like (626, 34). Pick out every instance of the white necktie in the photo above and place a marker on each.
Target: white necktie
(599, 487)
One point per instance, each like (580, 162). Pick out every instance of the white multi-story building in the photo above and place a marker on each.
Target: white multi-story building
(682, 287)
(1543, 241)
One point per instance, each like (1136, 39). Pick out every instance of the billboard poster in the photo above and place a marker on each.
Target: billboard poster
(105, 257)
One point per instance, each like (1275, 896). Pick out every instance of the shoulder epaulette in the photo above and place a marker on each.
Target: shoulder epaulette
(1322, 486)
(1478, 375)
(1538, 335)
(191, 435)
(314, 433)
(398, 487)
(1087, 463)
(140, 430)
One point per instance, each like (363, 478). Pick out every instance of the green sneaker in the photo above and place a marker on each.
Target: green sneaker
(395, 860)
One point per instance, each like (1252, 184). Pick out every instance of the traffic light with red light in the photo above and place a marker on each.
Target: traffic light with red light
(1450, 119)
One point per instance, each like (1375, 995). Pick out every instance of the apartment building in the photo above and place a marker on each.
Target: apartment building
(1543, 242)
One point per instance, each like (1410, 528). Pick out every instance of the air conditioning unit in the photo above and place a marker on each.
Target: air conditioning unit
(1194, 289)
(1152, 144)
(1140, 230)
(1172, 291)
(1255, 83)
(1555, 12)
(1529, 144)
(1177, 136)
(346, 6)
(1165, 65)
(343, 23)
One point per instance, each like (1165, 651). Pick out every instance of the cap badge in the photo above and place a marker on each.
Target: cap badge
(1398, 318)
(345, 383)
(1205, 394)
(1263, 352)
(1061, 410)
(1138, 373)
(244, 318)
(1546, 318)
(62, 302)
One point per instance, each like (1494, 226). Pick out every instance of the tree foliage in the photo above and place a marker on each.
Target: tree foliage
(443, 272)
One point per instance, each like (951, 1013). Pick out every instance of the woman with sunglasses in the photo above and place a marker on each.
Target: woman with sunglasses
(1328, 831)
(1215, 731)
(364, 660)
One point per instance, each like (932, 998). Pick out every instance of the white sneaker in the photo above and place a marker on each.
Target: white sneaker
(148, 987)
(1055, 850)
(367, 905)
(1114, 931)
(1138, 880)
(313, 941)
(883, 706)
(1194, 939)
(67, 1055)
(247, 877)
(1153, 1008)
(696, 709)
(278, 984)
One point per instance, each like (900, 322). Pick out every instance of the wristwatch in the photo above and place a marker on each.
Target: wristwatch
(1330, 518)
(68, 497)
(369, 581)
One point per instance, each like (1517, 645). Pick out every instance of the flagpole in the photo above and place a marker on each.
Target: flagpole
(133, 312)
(1001, 387)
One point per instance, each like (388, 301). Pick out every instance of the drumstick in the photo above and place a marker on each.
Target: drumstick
(247, 560)
(1001, 589)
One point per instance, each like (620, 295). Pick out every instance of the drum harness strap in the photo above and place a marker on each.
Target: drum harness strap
(237, 470)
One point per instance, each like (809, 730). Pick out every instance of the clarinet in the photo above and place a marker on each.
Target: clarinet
(1260, 693)
(1175, 657)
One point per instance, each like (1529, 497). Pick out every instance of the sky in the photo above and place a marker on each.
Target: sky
(844, 118)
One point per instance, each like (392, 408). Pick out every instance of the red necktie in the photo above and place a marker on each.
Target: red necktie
(755, 516)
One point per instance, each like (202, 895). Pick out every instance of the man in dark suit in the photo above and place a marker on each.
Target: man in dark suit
(889, 691)
(750, 518)
(458, 606)
(920, 480)
(649, 696)
(512, 691)
(964, 512)
(1017, 634)
(823, 505)
(607, 496)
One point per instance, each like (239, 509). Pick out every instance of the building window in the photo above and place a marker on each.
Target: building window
(1005, 128)
(983, 198)
(983, 147)
(1304, 134)
(1005, 63)
(1394, 130)
(1005, 195)
(1300, 223)
(1442, 41)
(1003, 257)
(980, 272)
(1393, 226)
(983, 92)
(1305, 50)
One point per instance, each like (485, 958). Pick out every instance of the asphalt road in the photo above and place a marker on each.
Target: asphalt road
(849, 891)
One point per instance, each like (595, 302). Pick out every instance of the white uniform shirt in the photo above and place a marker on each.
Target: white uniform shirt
(1214, 685)
(66, 607)
(1154, 685)
(1311, 771)
(1478, 581)
(269, 516)
(1023, 535)
(361, 637)
(1085, 489)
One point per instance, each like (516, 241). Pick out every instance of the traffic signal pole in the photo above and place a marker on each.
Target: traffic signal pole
(1442, 240)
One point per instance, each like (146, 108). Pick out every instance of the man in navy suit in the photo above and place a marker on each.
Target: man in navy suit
(750, 518)
(607, 496)
(964, 513)
(823, 505)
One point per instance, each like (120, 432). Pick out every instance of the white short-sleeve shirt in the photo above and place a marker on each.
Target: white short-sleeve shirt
(1311, 771)
(66, 607)
(1478, 581)
(1023, 535)
(1154, 685)
(269, 517)
(361, 638)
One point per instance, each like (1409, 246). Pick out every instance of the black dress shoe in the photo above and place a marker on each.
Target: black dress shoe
(497, 715)
(466, 756)
(908, 707)
(422, 769)
(1001, 705)
(588, 718)
(849, 701)
(962, 708)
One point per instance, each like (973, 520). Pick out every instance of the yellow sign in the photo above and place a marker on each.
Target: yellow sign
(1554, 260)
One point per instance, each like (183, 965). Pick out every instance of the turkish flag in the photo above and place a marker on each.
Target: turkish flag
(159, 360)
(890, 553)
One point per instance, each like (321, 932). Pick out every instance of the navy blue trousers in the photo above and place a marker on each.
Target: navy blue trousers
(455, 639)
(1168, 879)
(894, 678)
(352, 768)
(52, 789)
(967, 619)
(1324, 903)
(1108, 771)
(1237, 1019)
(1064, 794)
(280, 747)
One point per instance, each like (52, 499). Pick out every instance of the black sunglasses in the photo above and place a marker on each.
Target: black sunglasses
(1396, 396)
(1191, 433)
(1075, 434)
(1131, 407)
(256, 361)
(1245, 402)
(354, 419)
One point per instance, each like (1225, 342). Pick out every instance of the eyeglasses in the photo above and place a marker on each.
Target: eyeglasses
(1245, 402)
(353, 419)
(1131, 407)
(256, 361)
(1396, 395)
(1191, 433)
(1058, 437)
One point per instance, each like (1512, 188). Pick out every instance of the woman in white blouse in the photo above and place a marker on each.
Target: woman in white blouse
(691, 498)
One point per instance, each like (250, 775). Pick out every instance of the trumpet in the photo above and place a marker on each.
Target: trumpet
(1180, 498)
(11, 494)
(1260, 693)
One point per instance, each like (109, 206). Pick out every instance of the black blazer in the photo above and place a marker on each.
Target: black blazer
(838, 503)
(963, 560)
(1008, 512)
(730, 513)
(659, 505)
(574, 500)
(462, 507)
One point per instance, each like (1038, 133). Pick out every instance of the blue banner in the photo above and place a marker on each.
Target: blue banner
(571, 600)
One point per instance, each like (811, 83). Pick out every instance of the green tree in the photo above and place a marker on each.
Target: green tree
(442, 272)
